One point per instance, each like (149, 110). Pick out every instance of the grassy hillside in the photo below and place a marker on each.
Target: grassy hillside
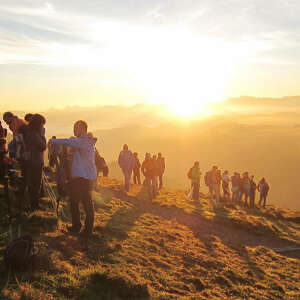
(171, 248)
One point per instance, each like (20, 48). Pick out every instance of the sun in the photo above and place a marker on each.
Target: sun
(181, 71)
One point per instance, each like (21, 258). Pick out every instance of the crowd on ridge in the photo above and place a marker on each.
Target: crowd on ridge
(83, 163)
(242, 187)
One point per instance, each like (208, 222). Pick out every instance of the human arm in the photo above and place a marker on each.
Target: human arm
(72, 142)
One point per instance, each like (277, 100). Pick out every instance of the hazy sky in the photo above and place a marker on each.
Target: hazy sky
(94, 52)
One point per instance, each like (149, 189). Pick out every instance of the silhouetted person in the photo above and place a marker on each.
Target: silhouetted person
(126, 163)
(83, 175)
(3, 150)
(52, 154)
(161, 169)
(35, 143)
(13, 122)
(195, 178)
(148, 170)
(263, 188)
(156, 174)
(28, 117)
(136, 169)
(216, 182)
(225, 185)
(235, 181)
(246, 187)
(208, 183)
(253, 188)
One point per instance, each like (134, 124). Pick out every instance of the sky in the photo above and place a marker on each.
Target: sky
(181, 54)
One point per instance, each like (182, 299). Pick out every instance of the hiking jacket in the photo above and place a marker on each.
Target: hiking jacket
(148, 168)
(126, 160)
(15, 125)
(196, 175)
(83, 164)
(35, 144)
(161, 165)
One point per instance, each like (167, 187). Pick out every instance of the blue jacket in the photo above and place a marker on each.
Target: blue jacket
(83, 164)
(126, 160)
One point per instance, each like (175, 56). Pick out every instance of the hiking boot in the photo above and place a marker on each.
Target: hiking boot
(73, 229)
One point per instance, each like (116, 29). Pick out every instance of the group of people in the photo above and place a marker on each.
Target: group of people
(153, 168)
(242, 187)
(29, 144)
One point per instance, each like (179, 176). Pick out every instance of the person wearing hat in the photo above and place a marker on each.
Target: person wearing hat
(126, 163)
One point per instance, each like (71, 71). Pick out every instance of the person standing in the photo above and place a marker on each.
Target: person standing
(148, 170)
(126, 163)
(235, 187)
(195, 178)
(83, 176)
(136, 169)
(225, 185)
(35, 143)
(161, 169)
(263, 188)
(246, 187)
(216, 182)
(253, 188)
(13, 122)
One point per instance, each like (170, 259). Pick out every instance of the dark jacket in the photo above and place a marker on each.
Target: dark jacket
(36, 145)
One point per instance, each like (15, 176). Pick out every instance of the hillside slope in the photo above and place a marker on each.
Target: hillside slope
(172, 248)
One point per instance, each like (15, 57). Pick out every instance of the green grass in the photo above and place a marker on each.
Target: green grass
(172, 248)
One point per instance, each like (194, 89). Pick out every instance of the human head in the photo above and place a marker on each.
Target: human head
(28, 117)
(196, 164)
(252, 177)
(154, 156)
(159, 155)
(37, 122)
(125, 147)
(80, 128)
(215, 167)
(53, 138)
(135, 154)
(263, 179)
(7, 117)
(226, 172)
(147, 156)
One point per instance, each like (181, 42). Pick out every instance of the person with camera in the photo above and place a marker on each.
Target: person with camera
(83, 176)
(35, 145)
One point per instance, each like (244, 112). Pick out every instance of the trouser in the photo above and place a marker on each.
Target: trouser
(226, 192)
(211, 191)
(151, 184)
(127, 175)
(136, 177)
(216, 190)
(34, 181)
(263, 198)
(81, 190)
(235, 194)
(160, 177)
(196, 187)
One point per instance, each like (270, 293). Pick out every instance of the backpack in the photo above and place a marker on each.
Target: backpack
(189, 174)
(99, 161)
(20, 252)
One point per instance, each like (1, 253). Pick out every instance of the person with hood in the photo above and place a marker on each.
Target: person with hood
(83, 176)
(13, 122)
(35, 143)
(263, 188)
(195, 178)
(148, 170)
(136, 169)
(161, 169)
(126, 163)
